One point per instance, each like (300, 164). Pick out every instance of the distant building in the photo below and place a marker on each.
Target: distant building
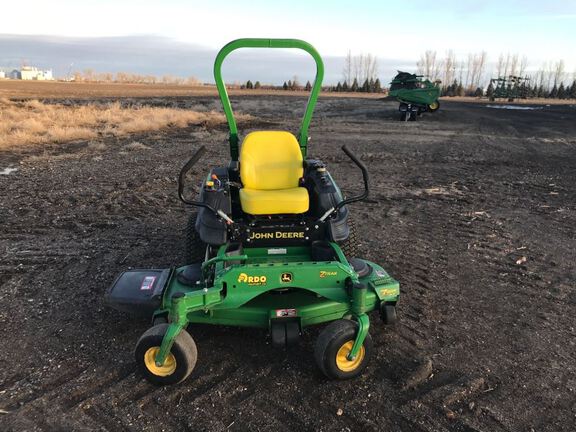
(32, 73)
(26, 73)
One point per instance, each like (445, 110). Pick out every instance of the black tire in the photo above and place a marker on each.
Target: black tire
(159, 319)
(388, 314)
(179, 364)
(292, 333)
(350, 246)
(278, 335)
(338, 336)
(285, 334)
(195, 251)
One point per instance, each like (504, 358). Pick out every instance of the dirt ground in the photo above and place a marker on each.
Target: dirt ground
(472, 209)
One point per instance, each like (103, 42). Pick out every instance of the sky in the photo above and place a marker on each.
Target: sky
(182, 37)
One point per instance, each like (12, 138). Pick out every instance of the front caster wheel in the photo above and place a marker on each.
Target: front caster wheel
(178, 364)
(334, 345)
(388, 314)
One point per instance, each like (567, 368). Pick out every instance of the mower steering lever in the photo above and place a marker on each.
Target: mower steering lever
(360, 197)
(187, 167)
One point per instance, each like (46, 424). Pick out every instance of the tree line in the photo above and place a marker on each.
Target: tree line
(526, 90)
(470, 76)
(89, 75)
(369, 86)
(292, 85)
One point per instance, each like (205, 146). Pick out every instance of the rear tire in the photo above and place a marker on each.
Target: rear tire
(195, 248)
(350, 245)
(179, 363)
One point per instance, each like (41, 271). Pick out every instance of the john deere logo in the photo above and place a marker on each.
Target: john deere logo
(251, 280)
(286, 277)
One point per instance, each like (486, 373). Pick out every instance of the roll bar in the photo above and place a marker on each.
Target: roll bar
(268, 43)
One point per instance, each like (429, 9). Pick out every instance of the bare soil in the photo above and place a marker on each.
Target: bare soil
(472, 209)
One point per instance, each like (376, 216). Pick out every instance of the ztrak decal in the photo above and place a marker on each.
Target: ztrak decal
(286, 277)
(276, 235)
(324, 273)
(387, 292)
(251, 280)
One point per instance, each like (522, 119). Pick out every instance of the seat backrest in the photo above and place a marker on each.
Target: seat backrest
(270, 160)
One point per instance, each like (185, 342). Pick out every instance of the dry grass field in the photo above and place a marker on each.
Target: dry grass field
(80, 90)
(35, 122)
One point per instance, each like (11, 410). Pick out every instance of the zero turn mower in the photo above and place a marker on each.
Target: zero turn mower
(270, 246)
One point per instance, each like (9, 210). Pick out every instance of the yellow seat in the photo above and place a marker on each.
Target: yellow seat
(281, 201)
(271, 166)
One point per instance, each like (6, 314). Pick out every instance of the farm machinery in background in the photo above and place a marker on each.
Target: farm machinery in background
(415, 94)
(510, 88)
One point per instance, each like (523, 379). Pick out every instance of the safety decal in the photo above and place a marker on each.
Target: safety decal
(148, 283)
(286, 313)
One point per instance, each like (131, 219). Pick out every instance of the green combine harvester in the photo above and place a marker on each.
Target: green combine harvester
(414, 94)
(271, 245)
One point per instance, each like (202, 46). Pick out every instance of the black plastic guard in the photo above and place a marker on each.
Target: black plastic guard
(138, 291)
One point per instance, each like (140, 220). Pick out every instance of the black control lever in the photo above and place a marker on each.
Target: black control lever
(187, 167)
(360, 197)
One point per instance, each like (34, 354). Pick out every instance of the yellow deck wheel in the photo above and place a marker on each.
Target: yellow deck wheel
(342, 361)
(166, 369)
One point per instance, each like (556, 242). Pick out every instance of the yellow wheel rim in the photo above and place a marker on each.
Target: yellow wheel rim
(434, 105)
(342, 361)
(166, 369)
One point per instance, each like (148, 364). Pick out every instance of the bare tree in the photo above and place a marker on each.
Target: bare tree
(469, 71)
(88, 75)
(481, 68)
(514, 65)
(500, 66)
(449, 68)
(523, 66)
(558, 72)
(360, 67)
(369, 68)
(427, 64)
(295, 83)
(347, 72)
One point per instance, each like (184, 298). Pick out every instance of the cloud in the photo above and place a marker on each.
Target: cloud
(157, 55)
